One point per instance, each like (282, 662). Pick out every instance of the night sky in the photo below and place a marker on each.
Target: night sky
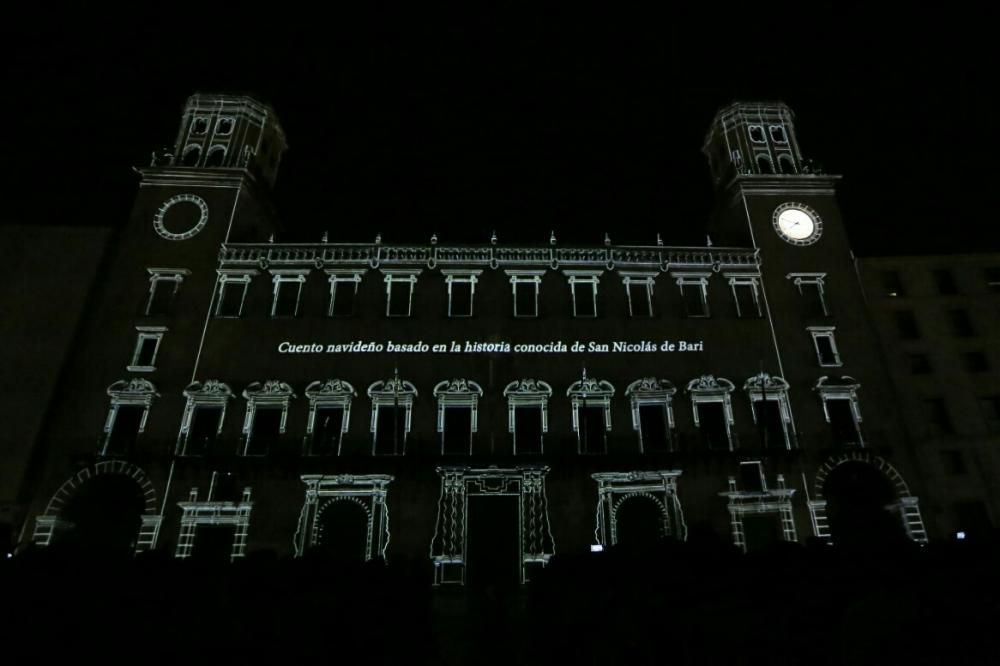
(583, 124)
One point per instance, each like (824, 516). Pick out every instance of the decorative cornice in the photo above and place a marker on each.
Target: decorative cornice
(272, 388)
(392, 386)
(458, 386)
(528, 387)
(651, 385)
(589, 387)
(331, 388)
(135, 387)
(765, 382)
(710, 384)
(208, 388)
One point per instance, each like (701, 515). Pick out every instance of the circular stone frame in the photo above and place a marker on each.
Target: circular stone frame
(170, 203)
(811, 212)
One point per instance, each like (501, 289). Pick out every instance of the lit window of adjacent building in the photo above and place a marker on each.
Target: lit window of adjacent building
(525, 286)
(392, 414)
(164, 283)
(204, 414)
(399, 286)
(839, 396)
(329, 416)
(527, 414)
(651, 400)
(343, 293)
(232, 292)
(944, 280)
(812, 289)
(590, 401)
(126, 420)
(583, 290)
(826, 345)
(772, 414)
(711, 405)
(906, 325)
(961, 325)
(266, 416)
(746, 295)
(920, 364)
(639, 293)
(694, 292)
(461, 292)
(457, 415)
(147, 344)
(892, 284)
(938, 419)
(975, 361)
(287, 291)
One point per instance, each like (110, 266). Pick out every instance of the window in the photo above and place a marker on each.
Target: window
(163, 286)
(399, 284)
(525, 286)
(214, 529)
(961, 325)
(752, 477)
(200, 125)
(953, 462)
(457, 415)
(224, 126)
(945, 281)
(826, 345)
(392, 412)
(778, 134)
(906, 325)
(746, 295)
(938, 419)
(639, 293)
(191, 155)
(764, 165)
(993, 279)
(892, 284)
(147, 343)
(839, 396)
(812, 289)
(694, 292)
(266, 417)
(786, 164)
(287, 292)
(771, 412)
(204, 415)
(527, 414)
(130, 402)
(232, 292)
(583, 287)
(975, 361)
(756, 133)
(591, 406)
(343, 293)
(920, 364)
(216, 156)
(461, 291)
(329, 416)
(652, 413)
(990, 406)
(712, 407)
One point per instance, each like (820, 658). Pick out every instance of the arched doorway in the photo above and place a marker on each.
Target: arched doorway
(859, 506)
(342, 531)
(639, 522)
(103, 516)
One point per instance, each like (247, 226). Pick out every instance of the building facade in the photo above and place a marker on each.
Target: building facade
(477, 407)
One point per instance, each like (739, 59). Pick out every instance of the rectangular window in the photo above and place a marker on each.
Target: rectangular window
(213, 543)
(204, 430)
(265, 430)
(826, 346)
(752, 477)
(842, 422)
(961, 325)
(124, 429)
(712, 425)
(993, 279)
(287, 294)
(231, 296)
(953, 462)
(812, 289)
(584, 296)
(892, 284)
(526, 298)
(990, 406)
(639, 292)
(456, 437)
(390, 430)
(343, 295)
(770, 424)
(147, 344)
(654, 428)
(461, 294)
(528, 429)
(938, 419)
(906, 325)
(945, 282)
(920, 364)
(746, 297)
(224, 488)
(328, 427)
(694, 293)
(164, 284)
(399, 295)
(592, 432)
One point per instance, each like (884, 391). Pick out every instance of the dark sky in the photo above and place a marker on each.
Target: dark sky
(522, 123)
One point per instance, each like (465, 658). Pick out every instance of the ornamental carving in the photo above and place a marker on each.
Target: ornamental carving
(529, 387)
(210, 387)
(272, 388)
(458, 386)
(710, 384)
(132, 387)
(651, 385)
(588, 386)
(765, 382)
(330, 388)
(392, 386)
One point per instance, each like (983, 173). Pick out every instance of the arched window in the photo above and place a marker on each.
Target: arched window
(329, 416)
(591, 404)
(786, 164)
(191, 155)
(130, 402)
(771, 412)
(457, 414)
(764, 165)
(713, 411)
(528, 414)
(392, 415)
(266, 417)
(652, 413)
(204, 415)
(216, 156)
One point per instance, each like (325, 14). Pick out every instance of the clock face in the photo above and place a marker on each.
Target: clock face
(797, 224)
(181, 217)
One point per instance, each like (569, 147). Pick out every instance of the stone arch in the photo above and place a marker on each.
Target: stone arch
(878, 462)
(327, 542)
(635, 498)
(72, 484)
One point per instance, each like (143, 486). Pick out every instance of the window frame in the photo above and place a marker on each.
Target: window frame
(400, 394)
(699, 279)
(269, 394)
(134, 392)
(400, 276)
(282, 276)
(818, 280)
(529, 393)
(462, 275)
(591, 277)
(765, 387)
(229, 277)
(827, 332)
(590, 392)
(652, 391)
(333, 394)
(645, 278)
(144, 333)
(752, 280)
(846, 388)
(763, 134)
(710, 389)
(158, 275)
(525, 277)
(461, 393)
(784, 134)
(210, 393)
(335, 276)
